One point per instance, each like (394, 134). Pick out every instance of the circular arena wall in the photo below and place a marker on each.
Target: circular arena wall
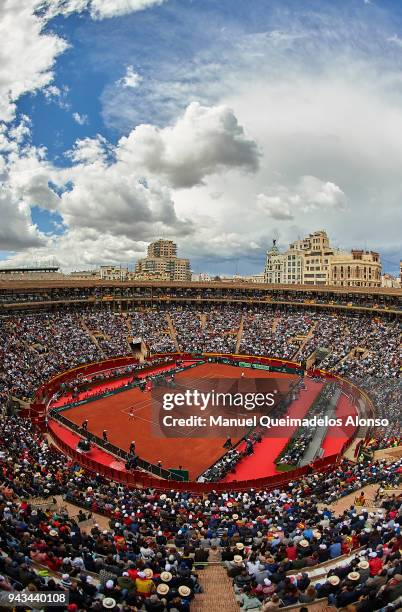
(39, 414)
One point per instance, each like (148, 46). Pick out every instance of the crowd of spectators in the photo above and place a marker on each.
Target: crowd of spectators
(221, 329)
(210, 329)
(152, 327)
(147, 557)
(33, 348)
(379, 340)
(188, 326)
(147, 294)
(109, 329)
(370, 577)
(299, 443)
(279, 334)
(363, 348)
(158, 538)
(386, 397)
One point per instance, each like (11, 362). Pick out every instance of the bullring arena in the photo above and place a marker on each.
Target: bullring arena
(302, 518)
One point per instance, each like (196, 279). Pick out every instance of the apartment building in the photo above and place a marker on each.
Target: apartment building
(111, 273)
(286, 268)
(356, 269)
(316, 252)
(313, 261)
(162, 263)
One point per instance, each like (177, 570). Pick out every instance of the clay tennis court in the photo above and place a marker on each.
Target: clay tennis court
(194, 454)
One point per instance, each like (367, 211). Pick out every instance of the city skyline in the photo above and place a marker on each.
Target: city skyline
(310, 260)
(219, 126)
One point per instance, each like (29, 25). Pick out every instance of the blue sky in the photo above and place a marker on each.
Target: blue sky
(245, 121)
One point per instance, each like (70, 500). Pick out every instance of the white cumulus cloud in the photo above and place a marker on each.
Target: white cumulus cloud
(27, 53)
(90, 150)
(17, 232)
(309, 195)
(126, 190)
(205, 140)
(275, 206)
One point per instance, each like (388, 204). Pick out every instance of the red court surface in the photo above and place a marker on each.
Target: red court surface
(103, 387)
(261, 463)
(337, 436)
(193, 454)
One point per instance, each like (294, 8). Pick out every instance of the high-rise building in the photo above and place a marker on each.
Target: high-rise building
(162, 249)
(162, 263)
(313, 261)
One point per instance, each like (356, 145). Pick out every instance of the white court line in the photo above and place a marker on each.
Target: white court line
(157, 424)
(130, 408)
(145, 420)
(139, 405)
(143, 404)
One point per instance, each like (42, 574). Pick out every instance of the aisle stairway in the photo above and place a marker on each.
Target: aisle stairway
(350, 453)
(344, 503)
(239, 335)
(172, 331)
(275, 323)
(306, 339)
(203, 320)
(218, 595)
(92, 336)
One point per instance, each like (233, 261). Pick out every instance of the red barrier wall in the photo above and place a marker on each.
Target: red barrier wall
(48, 389)
(139, 479)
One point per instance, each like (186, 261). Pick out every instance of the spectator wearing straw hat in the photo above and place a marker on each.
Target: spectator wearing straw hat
(144, 583)
(330, 587)
(363, 568)
(235, 567)
(185, 593)
(165, 577)
(304, 548)
(109, 603)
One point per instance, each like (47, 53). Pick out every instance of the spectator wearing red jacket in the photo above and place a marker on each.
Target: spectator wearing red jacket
(291, 553)
(375, 564)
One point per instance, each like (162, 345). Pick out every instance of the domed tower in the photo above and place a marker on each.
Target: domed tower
(273, 265)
